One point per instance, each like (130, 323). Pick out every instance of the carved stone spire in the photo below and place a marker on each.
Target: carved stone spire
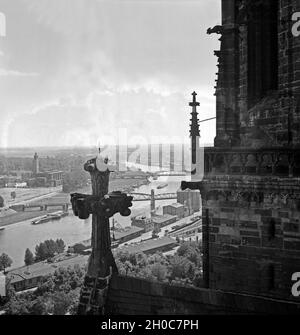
(194, 131)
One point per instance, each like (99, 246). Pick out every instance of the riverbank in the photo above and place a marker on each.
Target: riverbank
(24, 216)
(125, 185)
(26, 194)
(17, 237)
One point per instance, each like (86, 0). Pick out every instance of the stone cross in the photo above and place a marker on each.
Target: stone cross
(102, 205)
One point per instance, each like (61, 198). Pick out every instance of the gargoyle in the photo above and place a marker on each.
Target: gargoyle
(215, 30)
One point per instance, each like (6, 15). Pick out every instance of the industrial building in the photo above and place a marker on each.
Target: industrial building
(152, 246)
(160, 221)
(176, 209)
(127, 234)
(143, 222)
(190, 198)
(34, 178)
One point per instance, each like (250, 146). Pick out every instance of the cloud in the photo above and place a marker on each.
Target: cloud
(103, 65)
(6, 72)
(68, 17)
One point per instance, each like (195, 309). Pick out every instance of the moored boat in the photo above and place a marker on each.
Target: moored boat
(50, 217)
(41, 220)
(162, 186)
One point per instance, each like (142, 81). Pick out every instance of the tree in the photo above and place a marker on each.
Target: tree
(41, 306)
(159, 271)
(198, 279)
(18, 306)
(29, 258)
(142, 260)
(41, 252)
(1, 202)
(62, 302)
(63, 279)
(60, 246)
(48, 249)
(157, 258)
(46, 285)
(192, 251)
(5, 262)
(181, 268)
(79, 248)
(183, 249)
(128, 267)
(51, 248)
(56, 294)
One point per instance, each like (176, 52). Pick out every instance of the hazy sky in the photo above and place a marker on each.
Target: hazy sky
(72, 71)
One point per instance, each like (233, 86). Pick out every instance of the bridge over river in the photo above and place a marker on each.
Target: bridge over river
(171, 174)
(153, 197)
(64, 205)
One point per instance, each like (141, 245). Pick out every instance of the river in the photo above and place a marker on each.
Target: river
(17, 237)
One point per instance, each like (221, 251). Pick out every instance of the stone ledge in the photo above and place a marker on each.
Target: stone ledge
(126, 291)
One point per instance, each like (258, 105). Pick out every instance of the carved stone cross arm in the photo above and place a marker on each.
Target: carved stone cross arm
(115, 202)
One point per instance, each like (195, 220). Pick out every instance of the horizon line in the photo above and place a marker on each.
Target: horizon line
(94, 146)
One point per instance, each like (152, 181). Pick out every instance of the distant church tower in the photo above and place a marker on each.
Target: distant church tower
(36, 164)
(194, 134)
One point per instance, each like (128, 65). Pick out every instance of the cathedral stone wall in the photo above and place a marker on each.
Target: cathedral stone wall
(134, 296)
(258, 85)
(251, 188)
(254, 241)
